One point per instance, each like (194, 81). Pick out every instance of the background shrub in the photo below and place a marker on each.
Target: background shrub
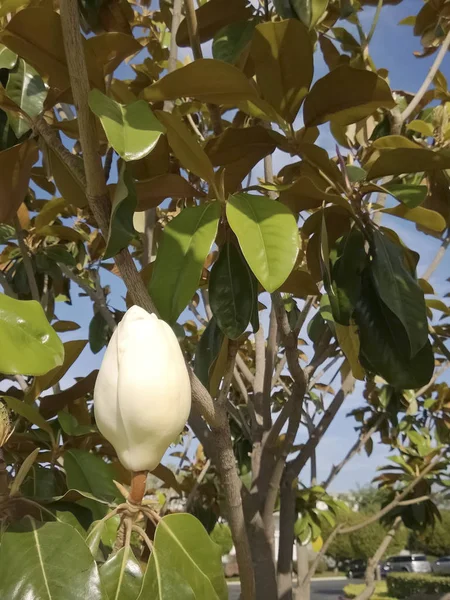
(404, 585)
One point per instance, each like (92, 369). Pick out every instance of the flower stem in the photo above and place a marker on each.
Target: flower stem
(138, 483)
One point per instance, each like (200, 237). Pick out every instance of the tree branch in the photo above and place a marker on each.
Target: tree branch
(226, 465)
(437, 259)
(97, 295)
(355, 449)
(428, 79)
(27, 261)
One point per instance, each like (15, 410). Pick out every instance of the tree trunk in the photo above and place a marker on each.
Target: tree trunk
(287, 522)
(303, 592)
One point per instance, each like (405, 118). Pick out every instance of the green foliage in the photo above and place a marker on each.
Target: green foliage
(221, 535)
(404, 585)
(435, 539)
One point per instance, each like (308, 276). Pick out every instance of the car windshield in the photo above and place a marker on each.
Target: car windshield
(419, 558)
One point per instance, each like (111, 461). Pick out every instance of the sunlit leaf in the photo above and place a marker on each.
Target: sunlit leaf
(132, 129)
(268, 237)
(422, 216)
(121, 575)
(187, 239)
(31, 346)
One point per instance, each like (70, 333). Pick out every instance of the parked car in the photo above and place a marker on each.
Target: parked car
(356, 569)
(441, 565)
(411, 563)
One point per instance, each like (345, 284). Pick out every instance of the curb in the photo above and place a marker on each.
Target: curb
(321, 579)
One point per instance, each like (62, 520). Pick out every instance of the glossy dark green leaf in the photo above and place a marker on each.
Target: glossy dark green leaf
(268, 236)
(231, 41)
(399, 291)
(131, 129)
(99, 333)
(30, 345)
(26, 88)
(124, 202)
(187, 239)
(182, 545)
(410, 195)
(59, 565)
(121, 576)
(89, 473)
(69, 424)
(207, 351)
(385, 348)
(348, 259)
(231, 292)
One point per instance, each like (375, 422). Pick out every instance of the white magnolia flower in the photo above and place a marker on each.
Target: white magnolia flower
(142, 396)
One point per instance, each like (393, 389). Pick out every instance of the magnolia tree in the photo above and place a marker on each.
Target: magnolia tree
(295, 285)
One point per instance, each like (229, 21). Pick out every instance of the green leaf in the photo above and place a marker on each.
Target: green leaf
(104, 532)
(131, 129)
(421, 127)
(183, 546)
(348, 339)
(70, 425)
(124, 202)
(355, 174)
(7, 58)
(28, 411)
(208, 80)
(282, 53)
(186, 147)
(6, 232)
(89, 473)
(409, 195)
(160, 584)
(187, 239)
(268, 237)
(346, 95)
(231, 41)
(385, 349)
(231, 293)
(309, 11)
(399, 290)
(429, 219)
(30, 345)
(408, 160)
(304, 195)
(52, 572)
(49, 212)
(99, 333)
(26, 88)
(121, 576)
(348, 259)
(207, 351)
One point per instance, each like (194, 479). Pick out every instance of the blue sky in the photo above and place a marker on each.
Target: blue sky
(392, 47)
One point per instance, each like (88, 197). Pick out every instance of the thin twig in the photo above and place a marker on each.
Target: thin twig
(96, 295)
(196, 485)
(437, 259)
(26, 261)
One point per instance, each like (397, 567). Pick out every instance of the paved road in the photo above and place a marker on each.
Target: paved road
(321, 590)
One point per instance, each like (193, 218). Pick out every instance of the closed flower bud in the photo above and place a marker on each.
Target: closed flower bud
(142, 396)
